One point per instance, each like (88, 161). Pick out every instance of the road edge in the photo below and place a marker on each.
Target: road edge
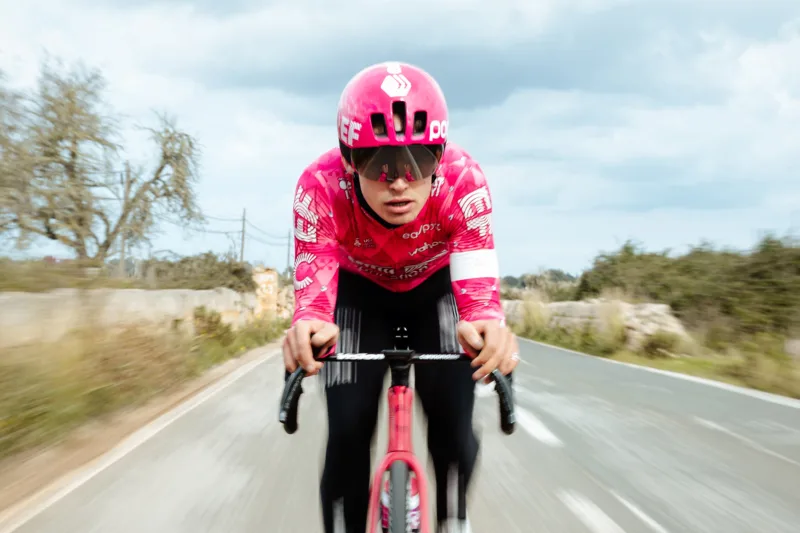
(753, 393)
(41, 477)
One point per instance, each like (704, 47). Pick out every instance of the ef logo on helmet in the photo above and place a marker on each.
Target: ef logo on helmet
(348, 130)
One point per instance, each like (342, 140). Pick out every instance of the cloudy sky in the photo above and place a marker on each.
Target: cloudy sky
(596, 121)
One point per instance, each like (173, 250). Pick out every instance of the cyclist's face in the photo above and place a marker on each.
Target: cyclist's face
(398, 202)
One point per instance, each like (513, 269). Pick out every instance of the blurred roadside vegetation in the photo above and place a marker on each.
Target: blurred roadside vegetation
(741, 308)
(198, 272)
(48, 390)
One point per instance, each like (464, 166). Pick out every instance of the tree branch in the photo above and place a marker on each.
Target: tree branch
(46, 231)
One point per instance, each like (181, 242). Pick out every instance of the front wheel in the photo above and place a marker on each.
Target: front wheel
(398, 497)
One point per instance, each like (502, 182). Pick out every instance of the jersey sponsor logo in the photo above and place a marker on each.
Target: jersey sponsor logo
(348, 130)
(412, 271)
(482, 223)
(347, 186)
(395, 84)
(472, 205)
(475, 202)
(365, 243)
(438, 183)
(425, 228)
(374, 269)
(409, 271)
(305, 226)
(425, 247)
(302, 258)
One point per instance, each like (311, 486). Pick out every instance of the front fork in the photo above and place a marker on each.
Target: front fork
(400, 448)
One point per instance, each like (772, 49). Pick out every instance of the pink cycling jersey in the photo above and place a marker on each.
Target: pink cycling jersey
(332, 231)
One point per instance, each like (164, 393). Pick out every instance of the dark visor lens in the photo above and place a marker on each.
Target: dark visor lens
(387, 163)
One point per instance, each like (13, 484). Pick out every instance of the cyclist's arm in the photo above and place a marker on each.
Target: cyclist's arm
(316, 268)
(473, 259)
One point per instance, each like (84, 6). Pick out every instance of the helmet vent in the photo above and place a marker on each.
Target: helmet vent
(399, 111)
(420, 123)
(379, 126)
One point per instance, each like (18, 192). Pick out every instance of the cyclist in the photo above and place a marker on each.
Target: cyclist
(393, 228)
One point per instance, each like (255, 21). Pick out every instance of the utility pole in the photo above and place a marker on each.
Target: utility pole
(122, 270)
(244, 219)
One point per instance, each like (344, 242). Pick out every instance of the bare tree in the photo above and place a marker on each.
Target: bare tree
(71, 183)
(11, 149)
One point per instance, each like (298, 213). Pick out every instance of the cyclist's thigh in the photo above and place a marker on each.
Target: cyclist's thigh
(446, 389)
(353, 388)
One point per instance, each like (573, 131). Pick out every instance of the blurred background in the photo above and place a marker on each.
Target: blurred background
(642, 158)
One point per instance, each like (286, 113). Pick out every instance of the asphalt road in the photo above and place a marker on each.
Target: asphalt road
(600, 447)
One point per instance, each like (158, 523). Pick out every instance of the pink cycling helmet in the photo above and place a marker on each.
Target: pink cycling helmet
(377, 147)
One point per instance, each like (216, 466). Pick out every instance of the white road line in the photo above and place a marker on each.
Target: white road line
(587, 512)
(542, 381)
(47, 497)
(753, 444)
(483, 390)
(536, 428)
(765, 396)
(641, 515)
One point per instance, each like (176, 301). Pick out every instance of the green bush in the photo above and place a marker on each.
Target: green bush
(728, 295)
(660, 344)
(201, 272)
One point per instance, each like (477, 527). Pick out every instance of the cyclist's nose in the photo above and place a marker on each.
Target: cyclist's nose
(399, 184)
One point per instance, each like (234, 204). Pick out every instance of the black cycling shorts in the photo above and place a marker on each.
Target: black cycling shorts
(367, 315)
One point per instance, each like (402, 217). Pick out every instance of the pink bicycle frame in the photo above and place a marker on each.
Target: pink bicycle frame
(401, 404)
(399, 448)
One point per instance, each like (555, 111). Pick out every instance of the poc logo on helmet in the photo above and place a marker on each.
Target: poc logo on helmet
(438, 130)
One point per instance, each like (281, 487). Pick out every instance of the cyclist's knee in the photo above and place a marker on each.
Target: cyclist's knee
(454, 444)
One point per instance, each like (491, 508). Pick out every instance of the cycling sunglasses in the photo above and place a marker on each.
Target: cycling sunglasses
(387, 163)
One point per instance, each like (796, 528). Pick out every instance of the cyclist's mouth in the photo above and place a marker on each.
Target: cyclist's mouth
(399, 206)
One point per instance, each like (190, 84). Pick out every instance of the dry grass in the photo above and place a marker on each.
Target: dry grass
(615, 294)
(605, 340)
(199, 272)
(38, 276)
(48, 390)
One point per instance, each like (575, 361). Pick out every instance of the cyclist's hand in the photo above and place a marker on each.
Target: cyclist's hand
(491, 344)
(297, 345)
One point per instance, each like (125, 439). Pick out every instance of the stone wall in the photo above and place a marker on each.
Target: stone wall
(639, 320)
(48, 316)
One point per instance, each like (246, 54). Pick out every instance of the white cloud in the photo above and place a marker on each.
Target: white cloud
(563, 147)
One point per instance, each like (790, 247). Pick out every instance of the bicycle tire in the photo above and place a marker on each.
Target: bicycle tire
(398, 510)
